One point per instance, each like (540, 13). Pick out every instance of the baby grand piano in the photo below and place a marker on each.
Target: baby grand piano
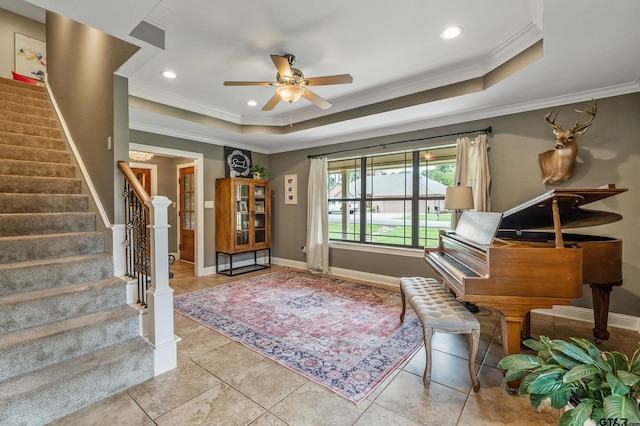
(498, 260)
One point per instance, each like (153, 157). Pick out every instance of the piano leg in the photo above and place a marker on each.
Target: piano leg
(511, 333)
(600, 295)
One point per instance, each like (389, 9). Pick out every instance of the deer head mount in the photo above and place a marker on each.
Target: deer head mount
(558, 164)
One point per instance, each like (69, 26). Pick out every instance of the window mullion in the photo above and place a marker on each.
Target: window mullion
(362, 201)
(415, 200)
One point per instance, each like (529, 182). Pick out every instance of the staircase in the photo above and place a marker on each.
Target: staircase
(67, 336)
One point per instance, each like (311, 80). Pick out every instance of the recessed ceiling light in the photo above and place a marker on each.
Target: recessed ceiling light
(451, 32)
(252, 103)
(169, 74)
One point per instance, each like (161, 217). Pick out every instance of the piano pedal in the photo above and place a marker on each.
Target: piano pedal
(471, 307)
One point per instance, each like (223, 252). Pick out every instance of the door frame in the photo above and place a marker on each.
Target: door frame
(154, 174)
(179, 204)
(198, 158)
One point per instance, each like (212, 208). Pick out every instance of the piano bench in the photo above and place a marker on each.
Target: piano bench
(438, 310)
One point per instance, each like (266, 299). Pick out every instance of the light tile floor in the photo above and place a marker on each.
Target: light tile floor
(220, 382)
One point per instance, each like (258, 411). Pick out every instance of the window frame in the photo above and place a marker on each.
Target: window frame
(414, 159)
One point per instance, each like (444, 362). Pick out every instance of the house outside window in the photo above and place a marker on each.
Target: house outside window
(394, 199)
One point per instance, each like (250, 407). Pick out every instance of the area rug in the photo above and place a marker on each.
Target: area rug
(342, 335)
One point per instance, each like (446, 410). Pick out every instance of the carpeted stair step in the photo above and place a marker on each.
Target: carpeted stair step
(32, 247)
(43, 396)
(24, 310)
(40, 274)
(35, 120)
(26, 110)
(36, 168)
(43, 203)
(27, 153)
(8, 84)
(17, 98)
(22, 89)
(37, 347)
(29, 129)
(13, 224)
(16, 139)
(39, 185)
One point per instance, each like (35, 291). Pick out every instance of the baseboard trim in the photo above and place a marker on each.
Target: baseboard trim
(578, 313)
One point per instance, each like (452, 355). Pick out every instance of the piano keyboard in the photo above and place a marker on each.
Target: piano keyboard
(464, 269)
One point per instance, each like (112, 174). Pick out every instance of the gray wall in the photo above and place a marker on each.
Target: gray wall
(11, 23)
(82, 80)
(609, 153)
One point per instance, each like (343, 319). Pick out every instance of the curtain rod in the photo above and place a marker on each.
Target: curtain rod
(485, 130)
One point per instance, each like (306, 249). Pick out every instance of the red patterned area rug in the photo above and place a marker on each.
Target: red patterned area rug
(344, 336)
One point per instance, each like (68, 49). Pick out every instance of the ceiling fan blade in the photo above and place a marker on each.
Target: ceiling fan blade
(282, 64)
(330, 79)
(272, 103)
(248, 83)
(315, 99)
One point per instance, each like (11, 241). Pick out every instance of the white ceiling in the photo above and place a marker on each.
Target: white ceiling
(591, 50)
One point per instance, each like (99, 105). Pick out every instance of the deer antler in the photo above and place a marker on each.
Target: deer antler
(553, 121)
(583, 126)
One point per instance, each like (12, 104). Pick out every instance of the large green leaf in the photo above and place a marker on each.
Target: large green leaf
(535, 345)
(621, 407)
(617, 387)
(571, 350)
(618, 360)
(548, 384)
(519, 362)
(558, 398)
(582, 412)
(580, 372)
(563, 360)
(628, 378)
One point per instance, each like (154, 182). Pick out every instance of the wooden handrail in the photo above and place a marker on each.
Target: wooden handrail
(134, 183)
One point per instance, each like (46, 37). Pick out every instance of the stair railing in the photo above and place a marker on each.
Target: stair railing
(147, 247)
(137, 233)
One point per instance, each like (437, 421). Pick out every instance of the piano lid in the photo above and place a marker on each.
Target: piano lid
(537, 212)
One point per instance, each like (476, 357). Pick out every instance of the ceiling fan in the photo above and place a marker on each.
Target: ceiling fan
(291, 84)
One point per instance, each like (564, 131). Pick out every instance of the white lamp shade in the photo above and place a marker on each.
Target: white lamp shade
(458, 198)
(290, 93)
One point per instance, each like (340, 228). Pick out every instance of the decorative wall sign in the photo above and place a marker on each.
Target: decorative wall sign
(290, 189)
(31, 57)
(237, 162)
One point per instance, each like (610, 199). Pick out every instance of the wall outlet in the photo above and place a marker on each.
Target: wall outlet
(304, 249)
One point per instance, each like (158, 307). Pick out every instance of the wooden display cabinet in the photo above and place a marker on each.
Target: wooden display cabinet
(243, 222)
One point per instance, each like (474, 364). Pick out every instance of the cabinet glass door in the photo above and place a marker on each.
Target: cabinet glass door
(259, 220)
(242, 214)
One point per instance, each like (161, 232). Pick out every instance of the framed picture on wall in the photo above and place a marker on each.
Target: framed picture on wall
(290, 189)
(30, 57)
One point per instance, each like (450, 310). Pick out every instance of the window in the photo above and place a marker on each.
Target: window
(392, 199)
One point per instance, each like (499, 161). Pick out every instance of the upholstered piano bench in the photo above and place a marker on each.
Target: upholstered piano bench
(438, 310)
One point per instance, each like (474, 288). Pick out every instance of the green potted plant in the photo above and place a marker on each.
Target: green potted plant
(259, 172)
(596, 385)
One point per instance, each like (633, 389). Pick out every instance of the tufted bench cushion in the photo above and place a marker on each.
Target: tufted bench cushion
(438, 310)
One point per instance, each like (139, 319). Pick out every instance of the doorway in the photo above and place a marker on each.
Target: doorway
(197, 160)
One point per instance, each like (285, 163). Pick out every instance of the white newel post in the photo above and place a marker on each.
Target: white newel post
(159, 315)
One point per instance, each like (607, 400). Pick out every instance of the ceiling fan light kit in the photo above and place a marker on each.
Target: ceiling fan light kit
(291, 84)
(290, 92)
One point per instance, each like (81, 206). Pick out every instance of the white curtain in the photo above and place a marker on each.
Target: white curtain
(472, 169)
(317, 218)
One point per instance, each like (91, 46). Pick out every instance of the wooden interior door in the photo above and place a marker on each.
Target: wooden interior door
(187, 213)
(144, 177)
